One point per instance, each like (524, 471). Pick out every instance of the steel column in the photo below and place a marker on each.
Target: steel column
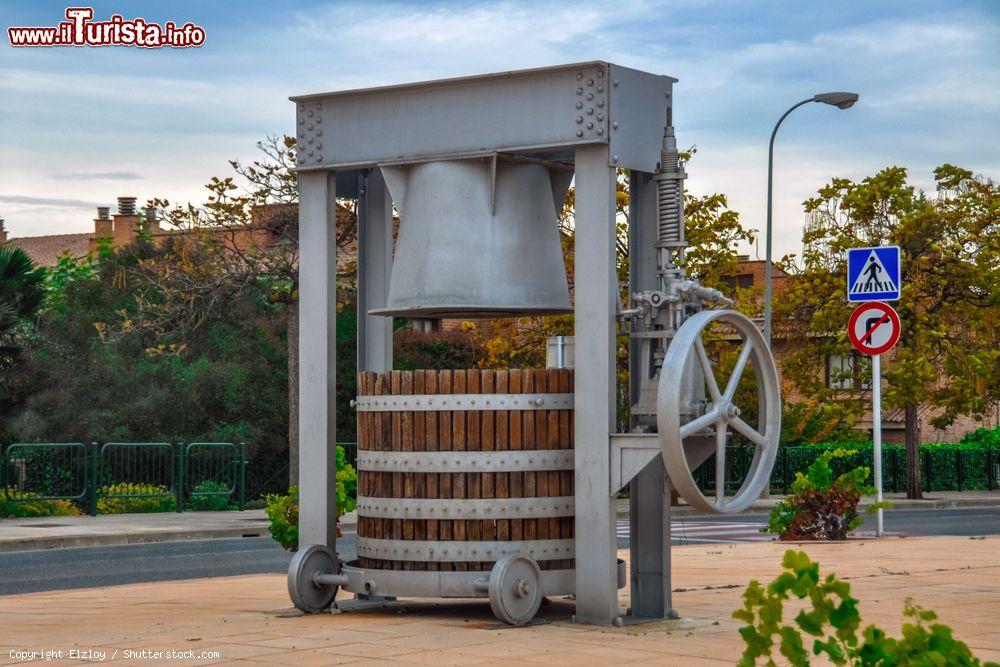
(317, 359)
(594, 417)
(374, 269)
(649, 492)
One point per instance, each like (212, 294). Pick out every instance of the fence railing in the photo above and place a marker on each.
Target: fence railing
(176, 474)
(942, 469)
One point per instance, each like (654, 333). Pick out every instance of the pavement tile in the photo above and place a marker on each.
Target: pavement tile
(248, 619)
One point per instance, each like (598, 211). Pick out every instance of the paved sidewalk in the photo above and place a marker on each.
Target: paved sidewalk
(249, 620)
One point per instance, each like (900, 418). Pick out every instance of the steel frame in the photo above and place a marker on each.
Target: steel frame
(533, 112)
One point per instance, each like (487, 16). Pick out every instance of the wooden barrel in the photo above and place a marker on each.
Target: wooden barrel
(458, 467)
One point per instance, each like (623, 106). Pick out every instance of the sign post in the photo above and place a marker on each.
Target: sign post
(873, 276)
(873, 329)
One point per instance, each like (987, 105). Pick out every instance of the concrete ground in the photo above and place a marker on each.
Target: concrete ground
(105, 530)
(248, 619)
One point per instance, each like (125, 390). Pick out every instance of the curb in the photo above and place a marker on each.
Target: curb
(114, 539)
(118, 539)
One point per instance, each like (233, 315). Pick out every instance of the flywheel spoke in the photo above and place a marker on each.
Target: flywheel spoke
(751, 433)
(720, 463)
(741, 363)
(706, 368)
(700, 423)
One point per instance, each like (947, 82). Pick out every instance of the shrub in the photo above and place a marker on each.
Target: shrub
(833, 621)
(283, 511)
(134, 498)
(17, 504)
(216, 498)
(347, 484)
(822, 506)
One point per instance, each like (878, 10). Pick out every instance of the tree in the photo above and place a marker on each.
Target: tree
(949, 352)
(251, 220)
(21, 294)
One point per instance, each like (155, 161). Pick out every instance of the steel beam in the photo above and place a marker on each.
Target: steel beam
(374, 269)
(594, 417)
(649, 492)
(317, 359)
(548, 110)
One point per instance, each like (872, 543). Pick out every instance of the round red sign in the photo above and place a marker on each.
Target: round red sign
(873, 328)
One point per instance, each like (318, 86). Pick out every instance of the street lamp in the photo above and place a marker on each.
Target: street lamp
(839, 100)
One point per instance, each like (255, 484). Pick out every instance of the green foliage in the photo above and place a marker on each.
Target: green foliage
(949, 353)
(134, 498)
(21, 288)
(833, 621)
(983, 438)
(215, 497)
(822, 506)
(283, 512)
(112, 363)
(811, 422)
(434, 351)
(347, 484)
(17, 504)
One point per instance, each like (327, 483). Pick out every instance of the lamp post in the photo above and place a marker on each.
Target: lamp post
(839, 100)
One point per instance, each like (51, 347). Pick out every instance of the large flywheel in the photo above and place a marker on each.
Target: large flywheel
(695, 416)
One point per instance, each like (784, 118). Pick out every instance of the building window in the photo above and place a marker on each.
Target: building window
(425, 325)
(847, 372)
(743, 280)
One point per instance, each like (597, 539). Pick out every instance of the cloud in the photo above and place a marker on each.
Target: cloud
(99, 176)
(51, 202)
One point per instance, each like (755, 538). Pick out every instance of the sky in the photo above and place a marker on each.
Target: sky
(82, 126)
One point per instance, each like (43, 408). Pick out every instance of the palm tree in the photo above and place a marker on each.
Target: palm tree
(21, 289)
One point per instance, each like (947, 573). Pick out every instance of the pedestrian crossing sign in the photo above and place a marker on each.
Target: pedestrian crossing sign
(873, 274)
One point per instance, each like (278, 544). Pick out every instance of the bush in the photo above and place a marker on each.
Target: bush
(822, 506)
(139, 499)
(283, 511)
(833, 621)
(17, 504)
(983, 438)
(217, 497)
(347, 484)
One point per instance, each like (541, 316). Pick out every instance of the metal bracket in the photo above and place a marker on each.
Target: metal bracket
(630, 453)
(447, 402)
(463, 508)
(432, 551)
(510, 461)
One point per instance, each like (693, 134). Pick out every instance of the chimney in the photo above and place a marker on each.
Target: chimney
(103, 225)
(126, 205)
(152, 222)
(3, 232)
(126, 221)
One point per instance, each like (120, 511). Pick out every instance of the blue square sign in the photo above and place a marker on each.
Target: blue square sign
(873, 274)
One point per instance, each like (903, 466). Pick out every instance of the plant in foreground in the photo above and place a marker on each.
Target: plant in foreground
(833, 621)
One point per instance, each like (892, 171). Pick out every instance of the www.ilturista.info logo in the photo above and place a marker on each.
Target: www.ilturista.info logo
(81, 30)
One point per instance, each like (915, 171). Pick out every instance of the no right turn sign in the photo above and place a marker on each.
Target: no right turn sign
(873, 328)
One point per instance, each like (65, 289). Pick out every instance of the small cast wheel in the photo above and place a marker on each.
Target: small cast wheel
(307, 593)
(515, 589)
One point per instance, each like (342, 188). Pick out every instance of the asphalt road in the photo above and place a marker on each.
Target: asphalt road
(56, 569)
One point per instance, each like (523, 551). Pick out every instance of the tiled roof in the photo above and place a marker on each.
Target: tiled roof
(45, 250)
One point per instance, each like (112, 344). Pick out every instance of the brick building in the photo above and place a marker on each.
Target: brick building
(839, 373)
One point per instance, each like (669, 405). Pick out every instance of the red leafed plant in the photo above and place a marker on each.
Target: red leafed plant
(822, 507)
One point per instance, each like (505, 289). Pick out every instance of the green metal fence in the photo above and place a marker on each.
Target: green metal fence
(942, 469)
(121, 471)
